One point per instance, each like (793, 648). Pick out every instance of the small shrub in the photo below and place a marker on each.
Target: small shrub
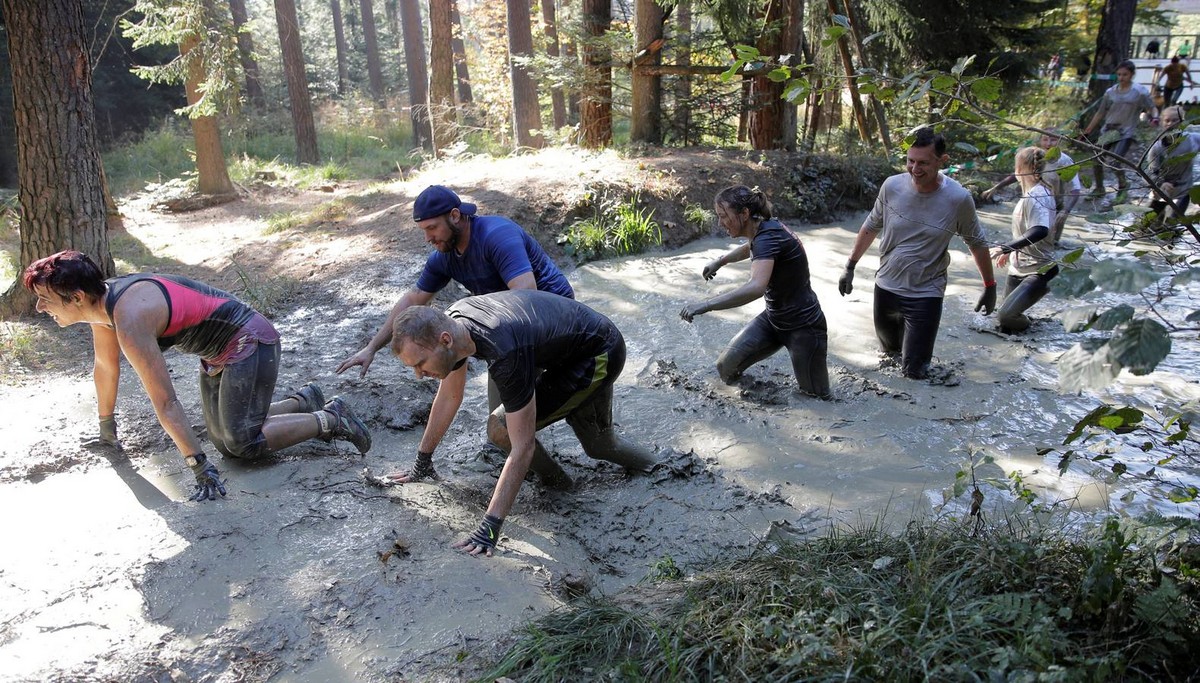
(616, 228)
(264, 293)
(697, 215)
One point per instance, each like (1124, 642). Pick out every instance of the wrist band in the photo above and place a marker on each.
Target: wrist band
(990, 284)
(488, 533)
(423, 467)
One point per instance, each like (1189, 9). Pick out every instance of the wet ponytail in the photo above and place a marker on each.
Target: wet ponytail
(738, 197)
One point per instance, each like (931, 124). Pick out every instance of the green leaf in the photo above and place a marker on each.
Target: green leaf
(796, 90)
(1194, 194)
(1065, 462)
(986, 89)
(1119, 468)
(731, 72)
(1182, 494)
(868, 88)
(1123, 276)
(1193, 316)
(1053, 154)
(1141, 346)
(1086, 366)
(1074, 256)
(779, 75)
(1073, 282)
(962, 65)
(841, 20)
(944, 82)
(832, 34)
(1079, 318)
(1068, 173)
(967, 147)
(1109, 319)
(747, 53)
(1185, 277)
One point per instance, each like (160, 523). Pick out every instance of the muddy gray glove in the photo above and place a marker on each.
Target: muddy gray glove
(208, 479)
(711, 269)
(987, 300)
(846, 281)
(423, 467)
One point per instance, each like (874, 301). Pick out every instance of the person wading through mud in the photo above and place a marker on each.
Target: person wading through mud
(144, 314)
(1066, 192)
(484, 254)
(778, 271)
(1030, 254)
(1169, 163)
(1119, 109)
(916, 214)
(551, 357)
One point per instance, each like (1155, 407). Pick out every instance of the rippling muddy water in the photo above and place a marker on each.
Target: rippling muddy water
(308, 573)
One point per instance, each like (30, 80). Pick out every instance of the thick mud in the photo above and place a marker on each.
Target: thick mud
(309, 571)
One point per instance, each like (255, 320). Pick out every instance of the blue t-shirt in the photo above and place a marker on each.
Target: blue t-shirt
(499, 251)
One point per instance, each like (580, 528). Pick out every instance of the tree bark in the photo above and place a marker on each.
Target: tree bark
(442, 113)
(646, 121)
(573, 95)
(371, 42)
(462, 75)
(212, 173)
(595, 112)
(766, 105)
(527, 111)
(558, 103)
(341, 51)
(58, 160)
(297, 82)
(860, 114)
(393, 21)
(860, 51)
(245, 42)
(683, 85)
(418, 76)
(792, 42)
(1112, 44)
(8, 128)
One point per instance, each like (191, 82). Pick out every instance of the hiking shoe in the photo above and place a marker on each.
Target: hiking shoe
(346, 425)
(311, 398)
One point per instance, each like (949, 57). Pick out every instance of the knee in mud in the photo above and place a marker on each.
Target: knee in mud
(244, 449)
(497, 432)
(728, 372)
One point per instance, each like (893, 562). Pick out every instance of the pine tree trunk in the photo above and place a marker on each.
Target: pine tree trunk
(595, 111)
(212, 173)
(442, 114)
(646, 121)
(683, 84)
(527, 112)
(1112, 44)
(58, 160)
(792, 43)
(8, 128)
(341, 51)
(558, 103)
(418, 76)
(245, 42)
(393, 22)
(766, 105)
(297, 82)
(371, 42)
(462, 75)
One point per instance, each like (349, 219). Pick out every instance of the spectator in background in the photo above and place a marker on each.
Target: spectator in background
(1185, 50)
(1175, 72)
(1169, 163)
(1119, 110)
(1152, 49)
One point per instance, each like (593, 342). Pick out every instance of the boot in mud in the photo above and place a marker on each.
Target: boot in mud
(592, 424)
(310, 397)
(338, 421)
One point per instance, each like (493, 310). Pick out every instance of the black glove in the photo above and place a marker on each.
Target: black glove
(987, 300)
(846, 281)
(488, 533)
(208, 479)
(711, 269)
(423, 467)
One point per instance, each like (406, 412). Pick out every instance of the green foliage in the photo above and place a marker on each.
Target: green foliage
(1018, 602)
(616, 227)
(697, 215)
(664, 569)
(209, 29)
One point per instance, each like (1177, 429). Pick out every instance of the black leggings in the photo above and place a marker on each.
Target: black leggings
(759, 340)
(908, 325)
(1021, 292)
(236, 401)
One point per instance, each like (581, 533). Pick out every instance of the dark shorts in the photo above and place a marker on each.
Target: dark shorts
(236, 401)
(561, 391)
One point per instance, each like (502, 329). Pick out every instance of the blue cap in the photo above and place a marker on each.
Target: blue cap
(436, 200)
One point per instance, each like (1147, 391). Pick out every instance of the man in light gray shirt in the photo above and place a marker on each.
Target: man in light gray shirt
(1169, 162)
(916, 214)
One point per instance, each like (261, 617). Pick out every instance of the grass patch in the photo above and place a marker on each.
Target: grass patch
(265, 293)
(616, 227)
(333, 211)
(931, 603)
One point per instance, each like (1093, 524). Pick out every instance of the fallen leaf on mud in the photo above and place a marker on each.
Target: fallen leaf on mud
(375, 480)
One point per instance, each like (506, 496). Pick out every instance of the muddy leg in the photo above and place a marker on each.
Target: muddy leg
(550, 472)
(592, 424)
